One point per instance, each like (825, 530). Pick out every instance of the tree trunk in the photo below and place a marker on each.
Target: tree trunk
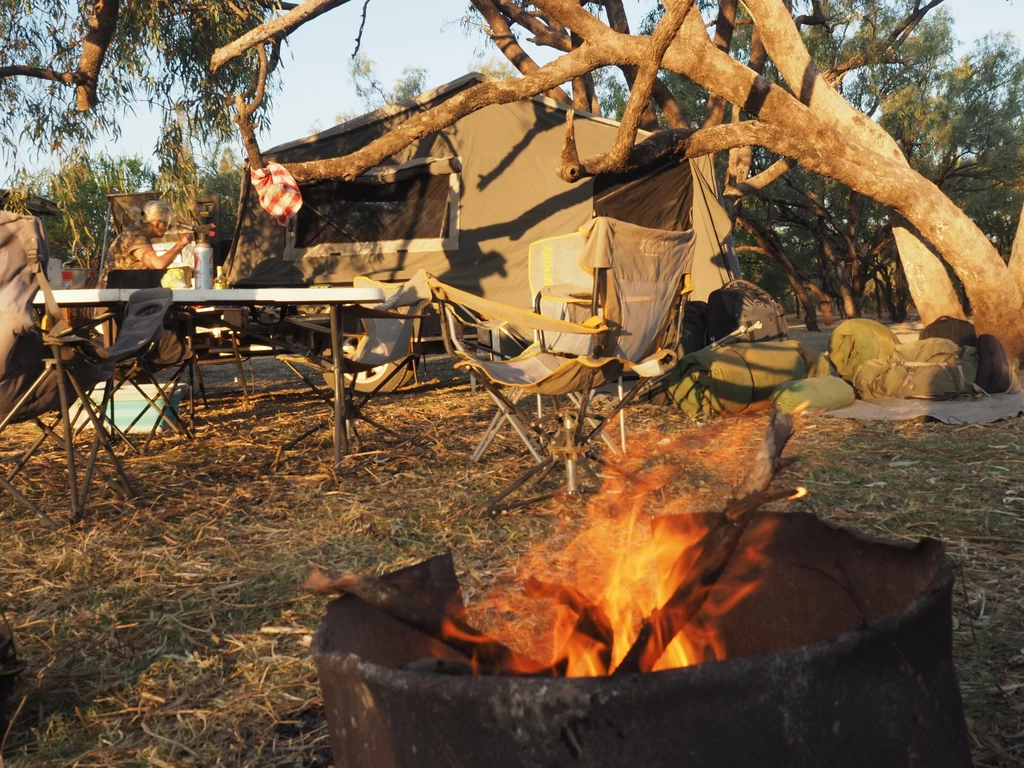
(804, 299)
(930, 286)
(1016, 264)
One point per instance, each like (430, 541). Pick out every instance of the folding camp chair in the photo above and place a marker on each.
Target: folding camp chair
(561, 288)
(389, 330)
(41, 372)
(142, 374)
(169, 356)
(638, 278)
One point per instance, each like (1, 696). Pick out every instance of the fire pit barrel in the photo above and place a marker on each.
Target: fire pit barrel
(881, 692)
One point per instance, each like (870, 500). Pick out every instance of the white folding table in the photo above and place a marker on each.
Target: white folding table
(336, 298)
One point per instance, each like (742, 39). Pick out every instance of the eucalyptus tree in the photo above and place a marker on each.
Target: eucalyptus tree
(70, 70)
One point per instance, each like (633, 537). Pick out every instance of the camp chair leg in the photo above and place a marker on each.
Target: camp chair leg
(104, 441)
(90, 466)
(622, 418)
(77, 509)
(24, 399)
(202, 384)
(20, 463)
(296, 440)
(492, 504)
(164, 411)
(500, 417)
(50, 432)
(241, 370)
(108, 416)
(594, 422)
(507, 411)
(309, 382)
(25, 501)
(192, 390)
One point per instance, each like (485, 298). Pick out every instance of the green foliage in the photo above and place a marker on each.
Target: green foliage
(80, 189)
(81, 186)
(220, 173)
(494, 66)
(374, 94)
(964, 129)
(159, 56)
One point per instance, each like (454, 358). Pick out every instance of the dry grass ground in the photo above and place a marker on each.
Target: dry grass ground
(169, 631)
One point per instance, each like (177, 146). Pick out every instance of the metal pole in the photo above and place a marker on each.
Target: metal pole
(338, 362)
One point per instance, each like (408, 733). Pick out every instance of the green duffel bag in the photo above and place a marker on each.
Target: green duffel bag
(814, 360)
(827, 393)
(917, 379)
(855, 341)
(930, 350)
(737, 377)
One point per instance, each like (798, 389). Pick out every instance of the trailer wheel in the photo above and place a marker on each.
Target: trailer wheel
(367, 381)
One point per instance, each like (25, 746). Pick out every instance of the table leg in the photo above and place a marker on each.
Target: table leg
(338, 361)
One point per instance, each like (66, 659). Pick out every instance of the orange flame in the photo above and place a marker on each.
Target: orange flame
(590, 587)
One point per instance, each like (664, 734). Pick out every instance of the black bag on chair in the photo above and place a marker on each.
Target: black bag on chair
(741, 303)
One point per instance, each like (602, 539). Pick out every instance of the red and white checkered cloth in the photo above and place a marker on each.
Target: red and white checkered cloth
(279, 193)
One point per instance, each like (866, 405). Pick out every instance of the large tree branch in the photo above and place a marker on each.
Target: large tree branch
(724, 26)
(618, 21)
(501, 34)
(542, 33)
(1016, 264)
(42, 73)
(754, 184)
(244, 111)
(664, 33)
(101, 28)
(275, 29)
(583, 59)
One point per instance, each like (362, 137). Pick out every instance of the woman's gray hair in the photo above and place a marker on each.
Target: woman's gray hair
(156, 210)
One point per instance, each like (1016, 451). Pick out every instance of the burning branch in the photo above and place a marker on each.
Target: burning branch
(490, 655)
(717, 548)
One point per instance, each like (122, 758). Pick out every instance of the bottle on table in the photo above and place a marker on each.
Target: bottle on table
(220, 281)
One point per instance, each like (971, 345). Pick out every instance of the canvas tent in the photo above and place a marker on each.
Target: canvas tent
(466, 202)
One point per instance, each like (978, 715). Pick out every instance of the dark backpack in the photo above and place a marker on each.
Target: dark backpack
(958, 331)
(740, 303)
(23, 258)
(695, 326)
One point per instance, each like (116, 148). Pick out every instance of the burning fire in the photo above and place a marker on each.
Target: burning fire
(586, 597)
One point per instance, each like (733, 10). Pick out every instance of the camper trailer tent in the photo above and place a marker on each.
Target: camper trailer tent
(466, 202)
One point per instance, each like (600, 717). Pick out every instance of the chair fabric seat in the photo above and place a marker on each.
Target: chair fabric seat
(545, 373)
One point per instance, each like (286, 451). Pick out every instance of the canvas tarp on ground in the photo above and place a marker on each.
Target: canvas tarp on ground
(465, 203)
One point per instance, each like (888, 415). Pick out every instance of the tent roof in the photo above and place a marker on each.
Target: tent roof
(422, 102)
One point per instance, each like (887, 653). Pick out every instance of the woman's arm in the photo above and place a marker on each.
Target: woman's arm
(150, 259)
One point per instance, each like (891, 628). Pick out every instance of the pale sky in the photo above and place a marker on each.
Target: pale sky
(425, 33)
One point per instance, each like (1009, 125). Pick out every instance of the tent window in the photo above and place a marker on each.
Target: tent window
(342, 212)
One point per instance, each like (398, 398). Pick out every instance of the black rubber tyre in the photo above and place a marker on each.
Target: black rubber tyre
(994, 374)
(368, 381)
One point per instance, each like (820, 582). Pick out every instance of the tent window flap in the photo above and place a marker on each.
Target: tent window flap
(337, 211)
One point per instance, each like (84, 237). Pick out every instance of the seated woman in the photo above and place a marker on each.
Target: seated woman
(133, 248)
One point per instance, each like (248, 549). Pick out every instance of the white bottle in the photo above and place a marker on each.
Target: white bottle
(202, 275)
